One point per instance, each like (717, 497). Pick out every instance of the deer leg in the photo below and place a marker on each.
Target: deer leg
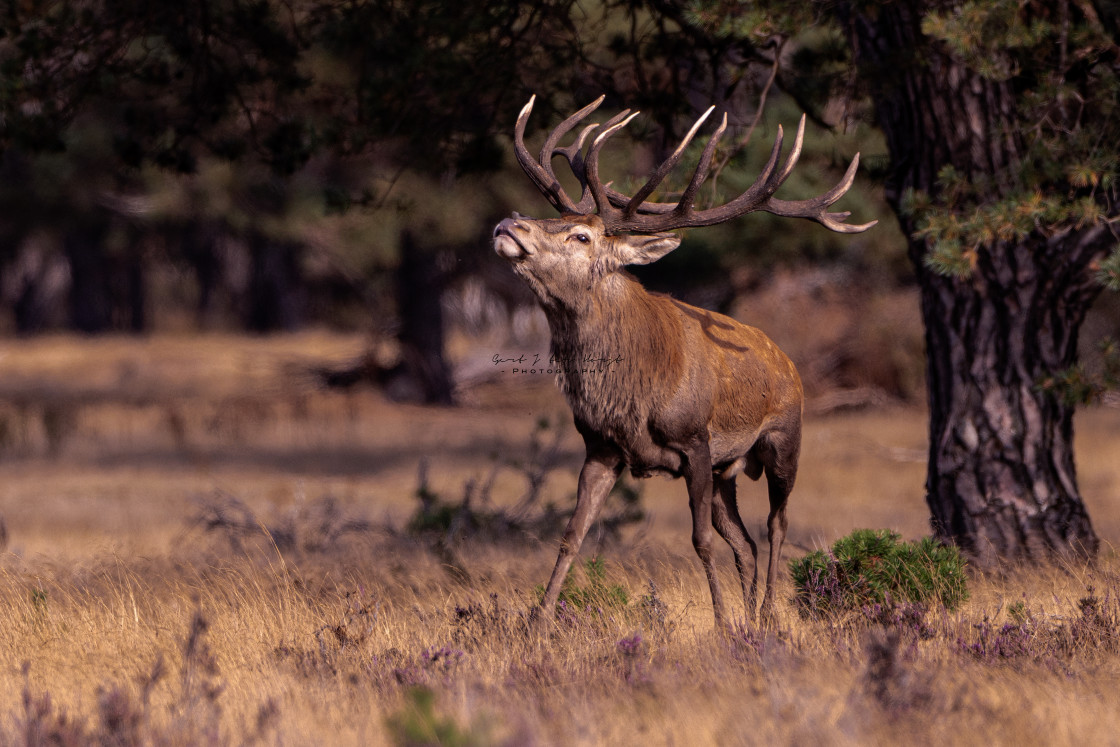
(595, 482)
(776, 533)
(729, 524)
(781, 470)
(698, 475)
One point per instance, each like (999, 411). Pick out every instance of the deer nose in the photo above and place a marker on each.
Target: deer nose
(507, 225)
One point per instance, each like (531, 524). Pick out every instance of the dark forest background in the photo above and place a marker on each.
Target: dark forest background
(265, 166)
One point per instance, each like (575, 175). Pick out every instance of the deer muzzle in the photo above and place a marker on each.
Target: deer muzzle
(508, 239)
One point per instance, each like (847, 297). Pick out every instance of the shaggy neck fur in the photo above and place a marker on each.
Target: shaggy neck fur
(611, 345)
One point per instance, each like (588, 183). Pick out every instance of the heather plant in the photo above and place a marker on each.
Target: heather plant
(632, 654)
(354, 626)
(315, 527)
(654, 613)
(1096, 627)
(310, 627)
(908, 618)
(745, 644)
(991, 643)
(870, 567)
(1090, 630)
(126, 714)
(473, 623)
(436, 665)
(890, 677)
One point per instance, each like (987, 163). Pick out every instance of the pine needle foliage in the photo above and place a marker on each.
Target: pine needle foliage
(871, 566)
(1062, 64)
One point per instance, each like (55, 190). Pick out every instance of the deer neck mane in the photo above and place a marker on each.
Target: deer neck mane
(593, 320)
(609, 342)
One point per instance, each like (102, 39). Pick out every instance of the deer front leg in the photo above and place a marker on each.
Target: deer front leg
(698, 476)
(596, 479)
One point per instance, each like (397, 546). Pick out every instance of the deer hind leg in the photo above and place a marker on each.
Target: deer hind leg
(780, 460)
(697, 469)
(596, 479)
(729, 524)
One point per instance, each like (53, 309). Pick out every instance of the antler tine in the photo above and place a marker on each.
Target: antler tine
(814, 209)
(763, 186)
(658, 216)
(701, 174)
(659, 174)
(574, 154)
(759, 196)
(540, 171)
(574, 151)
(545, 181)
(549, 147)
(794, 154)
(599, 191)
(625, 213)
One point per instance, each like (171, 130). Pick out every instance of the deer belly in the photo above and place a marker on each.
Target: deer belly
(646, 459)
(727, 447)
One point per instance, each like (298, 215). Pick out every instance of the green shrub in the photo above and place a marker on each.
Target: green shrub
(871, 566)
(419, 723)
(596, 594)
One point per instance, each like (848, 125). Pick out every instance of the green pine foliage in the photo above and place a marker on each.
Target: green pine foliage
(871, 566)
(1109, 271)
(1062, 66)
(755, 21)
(1084, 385)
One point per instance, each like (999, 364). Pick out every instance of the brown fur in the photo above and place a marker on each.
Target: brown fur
(658, 386)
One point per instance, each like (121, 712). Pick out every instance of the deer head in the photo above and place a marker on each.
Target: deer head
(605, 230)
(563, 259)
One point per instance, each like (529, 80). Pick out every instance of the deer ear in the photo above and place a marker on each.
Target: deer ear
(641, 250)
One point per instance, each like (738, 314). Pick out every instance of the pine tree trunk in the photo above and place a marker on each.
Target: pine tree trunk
(1001, 481)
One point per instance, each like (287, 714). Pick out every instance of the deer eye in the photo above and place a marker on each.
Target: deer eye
(581, 238)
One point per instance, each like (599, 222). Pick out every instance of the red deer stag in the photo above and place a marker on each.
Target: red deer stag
(654, 384)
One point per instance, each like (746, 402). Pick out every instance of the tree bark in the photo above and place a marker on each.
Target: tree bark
(1001, 481)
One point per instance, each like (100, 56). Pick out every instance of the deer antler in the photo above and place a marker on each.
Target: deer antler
(635, 214)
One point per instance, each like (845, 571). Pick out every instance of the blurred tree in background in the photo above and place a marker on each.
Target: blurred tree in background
(94, 92)
(261, 161)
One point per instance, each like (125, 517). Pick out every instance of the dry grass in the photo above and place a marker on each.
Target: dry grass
(134, 624)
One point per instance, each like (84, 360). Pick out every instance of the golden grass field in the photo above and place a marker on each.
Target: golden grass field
(133, 611)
